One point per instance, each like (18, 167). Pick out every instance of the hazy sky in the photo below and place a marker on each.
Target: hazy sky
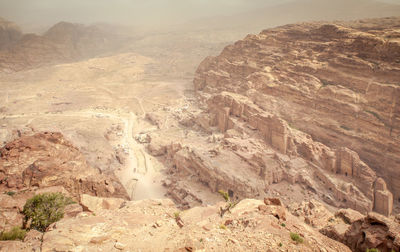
(46, 12)
(31, 14)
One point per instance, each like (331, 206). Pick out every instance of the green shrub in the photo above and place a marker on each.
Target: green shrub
(14, 234)
(45, 209)
(225, 195)
(10, 193)
(177, 215)
(372, 250)
(283, 225)
(296, 237)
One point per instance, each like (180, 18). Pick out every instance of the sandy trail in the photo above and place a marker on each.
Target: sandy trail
(139, 176)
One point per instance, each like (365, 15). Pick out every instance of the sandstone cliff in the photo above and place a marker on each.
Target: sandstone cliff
(327, 93)
(47, 162)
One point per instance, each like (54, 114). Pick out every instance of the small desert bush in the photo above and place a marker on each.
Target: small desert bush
(177, 215)
(372, 250)
(225, 195)
(45, 209)
(14, 234)
(10, 193)
(296, 237)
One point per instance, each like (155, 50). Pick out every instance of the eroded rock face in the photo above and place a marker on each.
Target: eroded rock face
(383, 198)
(255, 149)
(373, 231)
(359, 232)
(328, 94)
(152, 225)
(47, 159)
(47, 162)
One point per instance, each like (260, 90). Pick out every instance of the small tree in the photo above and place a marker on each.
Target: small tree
(45, 209)
(229, 203)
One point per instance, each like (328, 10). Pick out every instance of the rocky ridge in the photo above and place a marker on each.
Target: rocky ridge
(63, 42)
(154, 225)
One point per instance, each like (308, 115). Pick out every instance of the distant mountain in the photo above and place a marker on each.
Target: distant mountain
(9, 33)
(84, 41)
(61, 43)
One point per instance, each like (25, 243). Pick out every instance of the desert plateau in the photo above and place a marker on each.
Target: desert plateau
(200, 125)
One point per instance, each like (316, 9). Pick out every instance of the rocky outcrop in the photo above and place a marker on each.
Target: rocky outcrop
(359, 232)
(47, 162)
(373, 231)
(47, 159)
(327, 93)
(151, 225)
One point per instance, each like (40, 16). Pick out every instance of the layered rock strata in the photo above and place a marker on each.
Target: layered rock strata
(326, 93)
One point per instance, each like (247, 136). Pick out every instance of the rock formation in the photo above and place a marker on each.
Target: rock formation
(357, 231)
(326, 94)
(383, 198)
(373, 231)
(152, 225)
(47, 159)
(255, 149)
(47, 162)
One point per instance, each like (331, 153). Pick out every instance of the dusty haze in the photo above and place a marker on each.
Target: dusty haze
(139, 13)
(291, 107)
(36, 16)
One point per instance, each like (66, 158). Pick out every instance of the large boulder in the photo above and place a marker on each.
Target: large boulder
(49, 160)
(373, 231)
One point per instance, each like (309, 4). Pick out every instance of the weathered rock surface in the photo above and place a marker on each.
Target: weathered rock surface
(248, 151)
(324, 96)
(151, 225)
(373, 231)
(48, 159)
(47, 162)
(350, 227)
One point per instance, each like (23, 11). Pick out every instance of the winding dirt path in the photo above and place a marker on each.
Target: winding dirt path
(138, 175)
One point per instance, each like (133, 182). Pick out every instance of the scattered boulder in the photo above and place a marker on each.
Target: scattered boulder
(373, 231)
(95, 204)
(349, 216)
(143, 138)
